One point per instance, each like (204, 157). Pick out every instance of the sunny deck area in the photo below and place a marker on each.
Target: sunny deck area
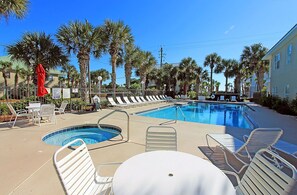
(26, 163)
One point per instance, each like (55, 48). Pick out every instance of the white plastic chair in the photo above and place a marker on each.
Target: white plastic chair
(18, 113)
(47, 111)
(268, 173)
(160, 138)
(62, 108)
(77, 172)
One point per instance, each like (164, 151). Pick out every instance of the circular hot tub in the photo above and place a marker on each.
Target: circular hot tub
(90, 134)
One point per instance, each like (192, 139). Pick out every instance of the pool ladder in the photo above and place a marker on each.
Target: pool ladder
(176, 113)
(122, 111)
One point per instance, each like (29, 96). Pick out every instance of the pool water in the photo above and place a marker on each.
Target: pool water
(209, 113)
(90, 134)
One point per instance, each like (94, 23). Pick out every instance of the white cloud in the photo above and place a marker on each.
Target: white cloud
(230, 29)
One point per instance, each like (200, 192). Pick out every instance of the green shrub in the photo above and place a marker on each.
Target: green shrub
(192, 94)
(4, 110)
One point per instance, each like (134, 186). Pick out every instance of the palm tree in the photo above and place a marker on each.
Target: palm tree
(148, 62)
(228, 68)
(217, 85)
(212, 60)
(130, 61)
(4, 68)
(101, 72)
(27, 75)
(37, 48)
(201, 76)
(117, 36)
(252, 57)
(16, 80)
(173, 76)
(187, 67)
(13, 7)
(239, 73)
(82, 39)
(69, 70)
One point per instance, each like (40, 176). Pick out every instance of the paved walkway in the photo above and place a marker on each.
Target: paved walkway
(26, 165)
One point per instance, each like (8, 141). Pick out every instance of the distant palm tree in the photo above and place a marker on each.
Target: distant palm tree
(173, 76)
(101, 72)
(252, 57)
(131, 60)
(239, 73)
(212, 60)
(168, 79)
(18, 8)
(228, 66)
(37, 48)
(148, 62)
(4, 68)
(18, 71)
(69, 70)
(27, 75)
(117, 35)
(83, 39)
(200, 76)
(217, 85)
(187, 75)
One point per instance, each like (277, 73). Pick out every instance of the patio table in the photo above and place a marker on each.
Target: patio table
(170, 172)
(33, 109)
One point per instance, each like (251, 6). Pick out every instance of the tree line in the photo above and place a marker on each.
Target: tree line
(82, 39)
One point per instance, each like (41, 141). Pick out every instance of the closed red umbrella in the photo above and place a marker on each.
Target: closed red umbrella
(41, 90)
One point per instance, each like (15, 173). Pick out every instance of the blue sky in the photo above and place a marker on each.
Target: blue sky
(188, 28)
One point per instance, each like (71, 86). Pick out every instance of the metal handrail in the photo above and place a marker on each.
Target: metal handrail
(177, 107)
(128, 121)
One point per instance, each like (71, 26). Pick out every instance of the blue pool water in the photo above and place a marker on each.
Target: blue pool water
(90, 134)
(209, 113)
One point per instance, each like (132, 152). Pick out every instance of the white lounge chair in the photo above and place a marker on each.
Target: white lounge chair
(233, 98)
(62, 108)
(120, 100)
(77, 172)
(112, 102)
(160, 138)
(268, 173)
(222, 98)
(18, 113)
(245, 151)
(128, 102)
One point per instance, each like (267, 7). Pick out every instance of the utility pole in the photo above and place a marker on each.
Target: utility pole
(161, 56)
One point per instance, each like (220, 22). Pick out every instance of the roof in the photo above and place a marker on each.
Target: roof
(291, 33)
(21, 64)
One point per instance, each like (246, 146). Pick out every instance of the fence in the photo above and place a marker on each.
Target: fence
(21, 96)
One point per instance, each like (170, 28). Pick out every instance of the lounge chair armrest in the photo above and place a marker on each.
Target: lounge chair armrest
(233, 174)
(245, 137)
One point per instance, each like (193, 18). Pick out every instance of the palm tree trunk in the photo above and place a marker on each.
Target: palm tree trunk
(113, 74)
(210, 91)
(83, 60)
(128, 73)
(226, 86)
(260, 79)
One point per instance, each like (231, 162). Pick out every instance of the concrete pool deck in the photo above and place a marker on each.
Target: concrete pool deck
(26, 164)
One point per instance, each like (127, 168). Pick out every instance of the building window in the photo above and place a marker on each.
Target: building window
(277, 61)
(289, 53)
(274, 91)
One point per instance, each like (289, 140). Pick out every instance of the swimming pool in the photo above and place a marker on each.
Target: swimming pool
(90, 134)
(209, 113)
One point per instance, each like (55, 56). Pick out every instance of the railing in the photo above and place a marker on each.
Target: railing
(176, 113)
(128, 121)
